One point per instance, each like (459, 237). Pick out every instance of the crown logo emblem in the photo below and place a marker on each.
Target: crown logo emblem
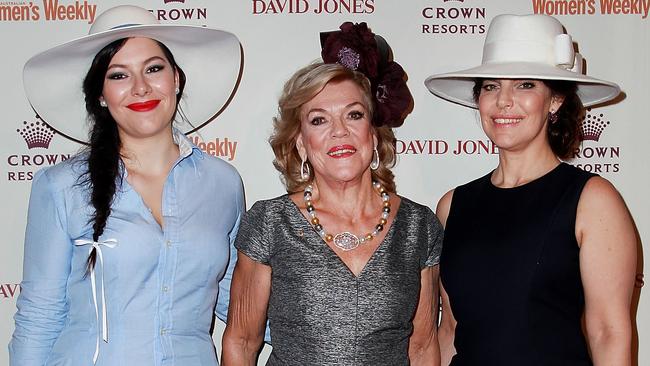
(592, 126)
(36, 134)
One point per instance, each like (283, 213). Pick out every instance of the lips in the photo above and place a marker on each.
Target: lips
(144, 106)
(341, 151)
(506, 120)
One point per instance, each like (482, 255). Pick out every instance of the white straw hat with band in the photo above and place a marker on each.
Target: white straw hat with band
(210, 58)
(524, 47)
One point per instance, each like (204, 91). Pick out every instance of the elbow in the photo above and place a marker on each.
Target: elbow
(240, 348)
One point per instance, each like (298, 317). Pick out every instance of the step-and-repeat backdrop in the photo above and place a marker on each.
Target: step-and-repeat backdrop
(440, 146)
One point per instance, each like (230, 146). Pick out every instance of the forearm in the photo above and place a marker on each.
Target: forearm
(446, 342)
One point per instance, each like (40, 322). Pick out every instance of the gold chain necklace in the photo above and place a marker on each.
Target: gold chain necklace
(346, 240)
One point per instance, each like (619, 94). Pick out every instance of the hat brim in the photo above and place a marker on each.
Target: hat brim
(458, 86)
(210, 58)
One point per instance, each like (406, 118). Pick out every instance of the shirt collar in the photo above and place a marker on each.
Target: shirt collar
(185, 146)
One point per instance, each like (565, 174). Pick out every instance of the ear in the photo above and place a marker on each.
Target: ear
(556, 103)
(177, 82)
(375, 140)
(300, 146)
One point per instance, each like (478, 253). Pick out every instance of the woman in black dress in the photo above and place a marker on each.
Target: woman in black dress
(558, 243)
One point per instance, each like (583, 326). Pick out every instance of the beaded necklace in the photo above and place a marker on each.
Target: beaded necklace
(346, 240)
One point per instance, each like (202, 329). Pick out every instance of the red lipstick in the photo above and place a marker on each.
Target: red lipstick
(341, 151)
(144, 106)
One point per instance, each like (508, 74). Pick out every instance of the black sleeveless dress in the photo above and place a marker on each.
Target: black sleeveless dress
(510, 266)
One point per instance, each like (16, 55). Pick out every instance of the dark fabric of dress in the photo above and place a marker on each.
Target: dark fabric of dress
(510, 264)
(320, 313)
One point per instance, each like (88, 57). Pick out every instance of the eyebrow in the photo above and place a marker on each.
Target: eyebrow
(346, 107)
(150, 59)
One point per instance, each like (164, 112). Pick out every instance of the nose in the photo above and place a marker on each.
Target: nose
(140, 86)
(504, 97)
(339, 128)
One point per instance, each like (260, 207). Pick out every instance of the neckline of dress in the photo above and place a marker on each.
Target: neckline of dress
(310, 229)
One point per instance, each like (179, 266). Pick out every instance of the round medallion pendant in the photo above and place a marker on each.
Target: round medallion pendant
(346, 241)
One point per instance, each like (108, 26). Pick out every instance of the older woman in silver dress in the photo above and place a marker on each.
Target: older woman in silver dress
(343, 267)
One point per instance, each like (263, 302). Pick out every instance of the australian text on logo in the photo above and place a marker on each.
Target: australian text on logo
(590, 7)
(316, 6)
(9, 290)
(442, 147)
(454, 19)
(219, 148)
(52, 11)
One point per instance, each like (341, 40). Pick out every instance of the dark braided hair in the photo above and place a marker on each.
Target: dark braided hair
(104, 141)
(563, 135)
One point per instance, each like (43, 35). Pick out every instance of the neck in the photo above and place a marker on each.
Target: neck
(348, 199)
(518, 168)
(151, 156)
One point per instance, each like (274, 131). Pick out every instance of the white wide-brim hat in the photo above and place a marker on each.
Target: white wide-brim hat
(524, 47)
(210, 58)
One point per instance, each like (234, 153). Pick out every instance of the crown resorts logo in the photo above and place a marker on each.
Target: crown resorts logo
(179, 11)
(592, 7)
(271, 7)
(51, 10)
(592, 126)
(599, 158)
(454, 17)
(38, 136)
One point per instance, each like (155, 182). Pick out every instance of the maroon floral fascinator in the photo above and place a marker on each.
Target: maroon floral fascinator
(357, 48)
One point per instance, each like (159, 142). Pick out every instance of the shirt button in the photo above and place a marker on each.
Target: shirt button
(165, 288)
(168, 243)
(163, 331)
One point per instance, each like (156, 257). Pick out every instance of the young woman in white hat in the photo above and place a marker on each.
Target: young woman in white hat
(125, 255)
(559, 243)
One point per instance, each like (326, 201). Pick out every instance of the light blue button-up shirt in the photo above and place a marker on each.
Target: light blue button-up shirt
(160, 284)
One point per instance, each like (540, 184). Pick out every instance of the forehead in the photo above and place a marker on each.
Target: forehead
(138, 49)
(336, 94)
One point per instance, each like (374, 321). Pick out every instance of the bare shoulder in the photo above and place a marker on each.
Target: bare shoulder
(599, 193)
(601, 210)
(442, 209)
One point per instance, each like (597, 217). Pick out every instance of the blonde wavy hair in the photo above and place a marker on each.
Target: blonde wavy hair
(304, 85)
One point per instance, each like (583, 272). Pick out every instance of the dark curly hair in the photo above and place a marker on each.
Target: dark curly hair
(103, 156)
(564, 135)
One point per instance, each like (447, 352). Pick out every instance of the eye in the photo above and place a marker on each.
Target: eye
(116, 76)
(356, 115)
(527, 85)
(316, 121)
(155, 68)
(489, 86)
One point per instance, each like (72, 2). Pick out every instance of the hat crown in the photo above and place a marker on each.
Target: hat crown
(122, 16)
(533, 38)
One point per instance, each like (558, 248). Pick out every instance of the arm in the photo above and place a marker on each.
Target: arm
(223, 297)
(250, 291)
(41, 304)
(447, 328)
(607, 239)
(423, 345)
